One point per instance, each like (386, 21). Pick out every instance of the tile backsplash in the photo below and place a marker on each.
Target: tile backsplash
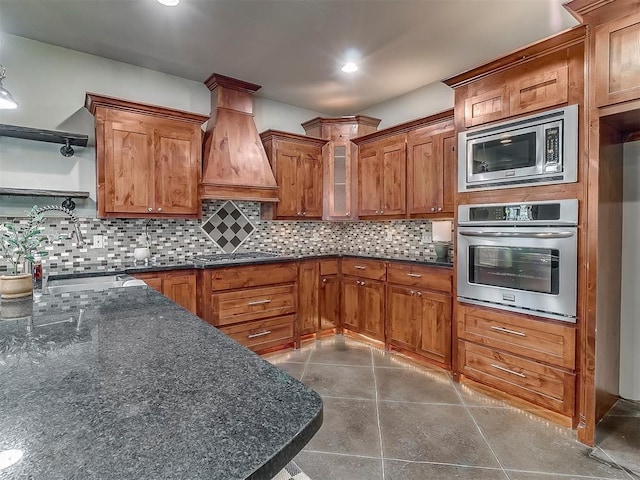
(181, 239)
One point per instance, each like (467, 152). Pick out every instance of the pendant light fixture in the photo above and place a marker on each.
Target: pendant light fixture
(6, 99)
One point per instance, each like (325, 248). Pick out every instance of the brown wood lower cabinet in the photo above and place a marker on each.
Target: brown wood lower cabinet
(419, 317)
(177, 285)
(329, 295)
(263, 334)
(523, 356)
(256, 305)
(363, 306)
(308, 294)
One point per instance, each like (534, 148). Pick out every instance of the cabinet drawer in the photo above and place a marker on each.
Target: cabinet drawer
(373, 269)
(252, 304)
(253, 275)
(419, 276)
(537, 339)
(329, 267)
(263, 334)
(546, 386)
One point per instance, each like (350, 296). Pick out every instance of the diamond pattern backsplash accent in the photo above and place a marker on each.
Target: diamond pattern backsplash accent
(228, 227)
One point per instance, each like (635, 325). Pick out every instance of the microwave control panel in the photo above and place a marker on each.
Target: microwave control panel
(552, 149)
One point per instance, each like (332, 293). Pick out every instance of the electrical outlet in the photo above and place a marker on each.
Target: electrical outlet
(98, 241)
(426, 239)
(389, 236)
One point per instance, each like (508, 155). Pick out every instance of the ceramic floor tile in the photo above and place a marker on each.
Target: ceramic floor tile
(415, 386)
(349, 426)
(340, 381)
(300, 356)
(396, 470)
(433, 433)
(340, 352)
(293, 369)
(619, 437)
(513, 475)
(327, 466)
(522, 442)
(625, 408)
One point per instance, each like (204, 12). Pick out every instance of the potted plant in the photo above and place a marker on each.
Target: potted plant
(20, 246)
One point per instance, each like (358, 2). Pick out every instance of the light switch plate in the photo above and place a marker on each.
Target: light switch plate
(98, 241)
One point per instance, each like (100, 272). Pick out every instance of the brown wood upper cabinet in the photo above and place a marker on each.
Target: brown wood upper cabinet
(431, 161)
(538, 84)
(148, 159)
(617, 60)
(382, 167)
(296, 161)
(339, 154)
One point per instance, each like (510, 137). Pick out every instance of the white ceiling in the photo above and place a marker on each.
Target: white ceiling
(294, 48)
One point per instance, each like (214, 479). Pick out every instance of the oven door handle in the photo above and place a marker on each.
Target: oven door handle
(518, 234)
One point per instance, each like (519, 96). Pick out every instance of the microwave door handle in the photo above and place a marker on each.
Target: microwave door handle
(518, 234)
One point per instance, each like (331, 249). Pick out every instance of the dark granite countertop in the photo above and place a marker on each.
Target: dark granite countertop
(125, 384)
(188, 263)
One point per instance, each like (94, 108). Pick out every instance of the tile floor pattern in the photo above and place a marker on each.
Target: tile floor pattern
(386, 418)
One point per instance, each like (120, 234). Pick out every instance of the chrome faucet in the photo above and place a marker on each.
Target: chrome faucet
(56, 208)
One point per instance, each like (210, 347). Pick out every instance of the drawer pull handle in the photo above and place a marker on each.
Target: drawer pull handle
(506, 330)
(521, 375)
(414, 275)
(261, 334)
(259, 302)
(359, 267)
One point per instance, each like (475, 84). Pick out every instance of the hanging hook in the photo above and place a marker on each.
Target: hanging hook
(67, 150)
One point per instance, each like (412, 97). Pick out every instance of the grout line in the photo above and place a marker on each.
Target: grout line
(375, 388)
(615, 462)
(554, 475)
(306, 364)
(466, 407)
(426, 462)
(342, 454)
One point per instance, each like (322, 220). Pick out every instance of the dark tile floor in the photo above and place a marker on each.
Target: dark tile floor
(386, 418)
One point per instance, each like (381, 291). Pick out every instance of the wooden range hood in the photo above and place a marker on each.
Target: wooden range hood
(235, 164)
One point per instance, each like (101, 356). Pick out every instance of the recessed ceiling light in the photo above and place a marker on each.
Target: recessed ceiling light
(169, 3)
(349, 67)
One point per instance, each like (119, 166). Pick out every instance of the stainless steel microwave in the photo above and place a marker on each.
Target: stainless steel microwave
(540, 149)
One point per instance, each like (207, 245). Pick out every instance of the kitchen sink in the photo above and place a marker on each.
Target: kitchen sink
(64, 284)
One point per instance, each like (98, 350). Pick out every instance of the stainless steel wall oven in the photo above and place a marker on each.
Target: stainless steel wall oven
(520, 257)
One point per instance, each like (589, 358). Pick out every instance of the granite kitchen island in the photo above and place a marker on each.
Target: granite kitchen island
(125, 384)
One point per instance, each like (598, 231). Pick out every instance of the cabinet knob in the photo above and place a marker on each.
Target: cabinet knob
(304, 213)
(159, 209)
(150, 209)
(324, 280)
(439, 209)
(299, 213)
(362, 283)
(419, 294)
(381, 212)
(347, 213)
(411, 292)
(433, 209)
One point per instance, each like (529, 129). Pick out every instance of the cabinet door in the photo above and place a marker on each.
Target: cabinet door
(425, 167)
(286, 170)
(177, 162)
(182, 290)
(541, 90)
(369, 181)
(308, 301)
(310, 181)
(155, 283)
(617, 61)
(350, 302)
(394, 178)
(128, 167)
(329, 302)
(486, 107)
(402, 324)
(434, 312)
(338, 176)
(371, 306)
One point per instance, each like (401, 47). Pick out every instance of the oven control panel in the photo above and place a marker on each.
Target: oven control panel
(545, 212)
